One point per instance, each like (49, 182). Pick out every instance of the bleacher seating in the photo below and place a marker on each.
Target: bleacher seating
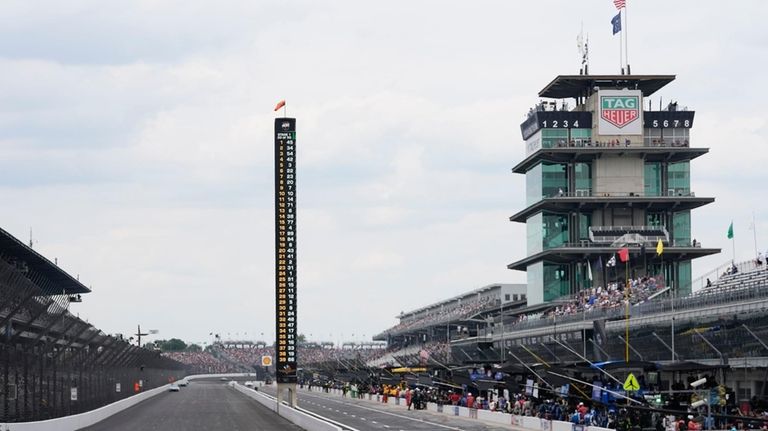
(738, 281)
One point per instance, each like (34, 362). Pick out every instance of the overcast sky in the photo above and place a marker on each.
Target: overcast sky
(136, 142)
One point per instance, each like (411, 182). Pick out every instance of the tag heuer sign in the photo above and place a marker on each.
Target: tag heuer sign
(620, 112)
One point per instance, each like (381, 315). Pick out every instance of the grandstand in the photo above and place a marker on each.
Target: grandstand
(592, 189)
(53, 363)
(455, 315)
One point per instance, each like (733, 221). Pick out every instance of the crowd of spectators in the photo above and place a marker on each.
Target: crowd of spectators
(234, 358)
(603, 298)
(607, 407)
(202, 362)
(587, 142)
(445, 314)
(313, 354)
(247, 356)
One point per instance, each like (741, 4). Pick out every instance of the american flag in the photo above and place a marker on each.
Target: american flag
(620, 3)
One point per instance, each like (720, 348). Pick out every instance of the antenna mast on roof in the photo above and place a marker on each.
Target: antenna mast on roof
(31, 241)
(583, 45)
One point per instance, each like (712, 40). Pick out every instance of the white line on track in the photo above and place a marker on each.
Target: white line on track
(397, 415)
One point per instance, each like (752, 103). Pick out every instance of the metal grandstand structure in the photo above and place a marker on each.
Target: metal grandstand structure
(722, 328)
(52, 363)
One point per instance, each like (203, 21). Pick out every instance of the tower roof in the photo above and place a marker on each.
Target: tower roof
(567, 86)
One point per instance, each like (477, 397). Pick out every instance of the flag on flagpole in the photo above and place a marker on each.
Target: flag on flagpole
(659, 248)
(589, 270)
(616, 21)
(280, 104)
(620, 3)
(611, 262)
(599, 264)
(624, 254)
(730, 231)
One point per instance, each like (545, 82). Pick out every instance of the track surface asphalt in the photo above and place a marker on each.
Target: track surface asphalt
(369, 416)
(211, 405)
(203, 405)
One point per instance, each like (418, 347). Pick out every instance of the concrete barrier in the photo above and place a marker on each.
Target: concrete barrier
(303, 420)
(86, 419)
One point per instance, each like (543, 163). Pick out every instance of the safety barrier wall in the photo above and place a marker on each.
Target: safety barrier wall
(303, 420)
(86, 419)
(82, 420)
(523, 422)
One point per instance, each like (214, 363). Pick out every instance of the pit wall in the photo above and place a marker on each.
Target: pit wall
(309, 423)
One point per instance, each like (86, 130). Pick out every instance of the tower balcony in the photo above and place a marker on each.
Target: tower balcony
(588, 200)
(585, 151)
(588, 250)
(619, 236)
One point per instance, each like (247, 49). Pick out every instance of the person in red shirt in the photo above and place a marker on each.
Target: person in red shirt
(582, 409)
(455, 397)
(408, 398)
(472, 405)
(470, 401)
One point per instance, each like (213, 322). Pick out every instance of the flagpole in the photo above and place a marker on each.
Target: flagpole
(733, 243)
(626, 46)
(626, 298)
(673, 318)
(621, 47)
(754, 232)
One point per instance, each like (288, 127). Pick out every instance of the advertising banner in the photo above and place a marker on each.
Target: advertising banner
(620, 112)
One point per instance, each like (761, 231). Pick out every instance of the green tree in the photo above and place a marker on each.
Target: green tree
(172, 345)
(194, 348)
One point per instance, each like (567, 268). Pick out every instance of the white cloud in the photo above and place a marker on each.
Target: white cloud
(136, 141)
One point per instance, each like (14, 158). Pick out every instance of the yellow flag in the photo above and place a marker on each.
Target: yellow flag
(659, 248)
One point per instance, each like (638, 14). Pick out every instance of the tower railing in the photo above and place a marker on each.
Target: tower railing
(645, 234)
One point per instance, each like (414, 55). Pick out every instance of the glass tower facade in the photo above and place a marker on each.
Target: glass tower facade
(589, 193)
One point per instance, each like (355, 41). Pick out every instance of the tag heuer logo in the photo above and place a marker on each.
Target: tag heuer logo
(620, 110)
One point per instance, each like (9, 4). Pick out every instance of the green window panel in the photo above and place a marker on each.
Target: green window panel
(652, 179)
(533, 185)
(554, 230)
(581, 133)
(554, 179)
(681, 228)
(679, 178)
(555, 281)
(583, 178)
(533, 227)
(654, 219)
(585, 221)
(550, 138)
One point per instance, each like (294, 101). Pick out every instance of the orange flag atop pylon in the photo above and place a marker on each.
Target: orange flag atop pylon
(280, 104)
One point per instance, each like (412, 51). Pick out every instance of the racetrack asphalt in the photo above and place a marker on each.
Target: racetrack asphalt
(203, 405)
